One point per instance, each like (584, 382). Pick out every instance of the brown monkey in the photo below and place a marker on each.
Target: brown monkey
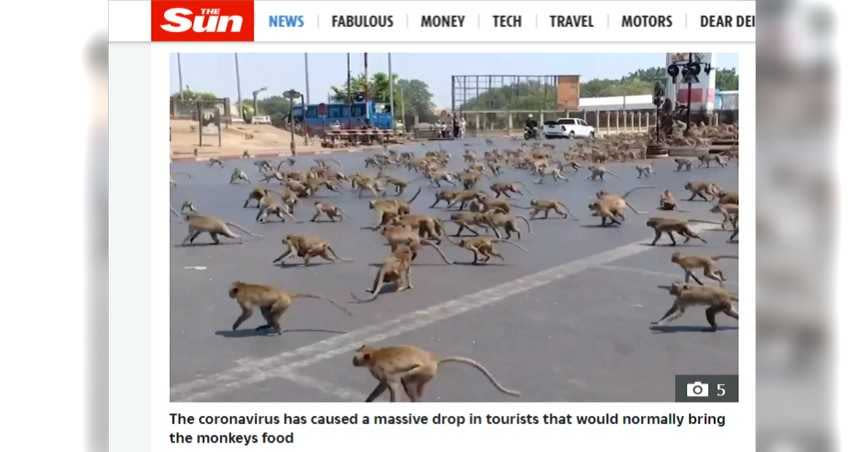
(702, 189)
(710, 269)
(666, 201)
(465, 196)
(728, 197)
(272, 303)
(445, 195)
(715, 299)
(396, 269)
(238, 176)
(485, 247)
(547, 205)
(389, 208)
(411, 367)
(611, 206)
(670, 225)
(467, 219)
(644, 170)
(258, 194)
(507, 222)
(683, 162)
(404, 235)
(308, 247)
(426, 225)
(197, 224)
(333, 212)
(215, 161)
(599, 172)
(730, 212)
(505, 188)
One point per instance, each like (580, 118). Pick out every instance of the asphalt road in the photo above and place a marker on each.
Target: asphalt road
(566, 322)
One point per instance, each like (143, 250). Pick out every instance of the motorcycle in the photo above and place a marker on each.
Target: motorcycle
(530, 133)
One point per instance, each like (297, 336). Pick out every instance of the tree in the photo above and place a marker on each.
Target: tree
(415, 93)
(727, 80)
(192, 96)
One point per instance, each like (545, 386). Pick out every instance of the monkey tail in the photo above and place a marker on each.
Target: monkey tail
(415, 194)
(527, 222)
(229, 223)
(703, 221)
(612, 174)
(478, 366)
(316, 297)
(716, 258)
(524, 186)
(642, 187)
(513, 244)
(519, 207)
(341, 259)
(438, 249)
(635, 210)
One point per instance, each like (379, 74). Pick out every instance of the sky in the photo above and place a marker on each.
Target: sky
(215, 72)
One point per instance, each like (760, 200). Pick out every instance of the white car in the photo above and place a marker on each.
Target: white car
(568, 128)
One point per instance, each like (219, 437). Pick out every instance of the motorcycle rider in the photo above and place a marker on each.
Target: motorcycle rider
(530, 126)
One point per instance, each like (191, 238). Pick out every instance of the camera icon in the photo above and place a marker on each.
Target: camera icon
(697, 390)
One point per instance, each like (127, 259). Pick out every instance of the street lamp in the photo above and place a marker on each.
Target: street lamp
(255, 93)
(291, 95)
(690, 70)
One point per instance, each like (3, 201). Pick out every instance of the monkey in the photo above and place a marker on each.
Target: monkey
(730, 212)
(465, 196)
(547, 205)
(644, 171)
(467, 219)
(485, 205)
(258, 195)
(307, 247)
(485, 247)
(333, 212)
(702, 189)
(707, 159)
(469, 179)
(505, 188)
(398, 184)
(683, 163)
(671, 225)
(188, 207)
(716, 299)
(445, 195)
(411, 367)
(197, 224)
(555, 172)
(272, 303)
(404, 235)
(389, 208)
(263, 166)
(599, 172)
(611, 206)
(710, 269)
(507, 222)
(425, 225)
(238, 176)
(270, 206)
(396, 269)
(666, 201)
(436, 177)
(246, 155)
(728, 197)
(272, 175)
(215, 161)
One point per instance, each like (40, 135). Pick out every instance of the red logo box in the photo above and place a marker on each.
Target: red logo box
(202, 20)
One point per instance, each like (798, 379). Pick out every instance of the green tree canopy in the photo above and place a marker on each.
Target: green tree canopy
(727, 80)
(414, 93)
(190, 95)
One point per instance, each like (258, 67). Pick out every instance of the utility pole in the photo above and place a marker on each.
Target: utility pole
(181, 83)
(367, 96)
(238, 87)
(306, 98)
(349, 79)
(390, 89)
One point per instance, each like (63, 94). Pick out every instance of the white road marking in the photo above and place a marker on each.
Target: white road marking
(284, 365)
